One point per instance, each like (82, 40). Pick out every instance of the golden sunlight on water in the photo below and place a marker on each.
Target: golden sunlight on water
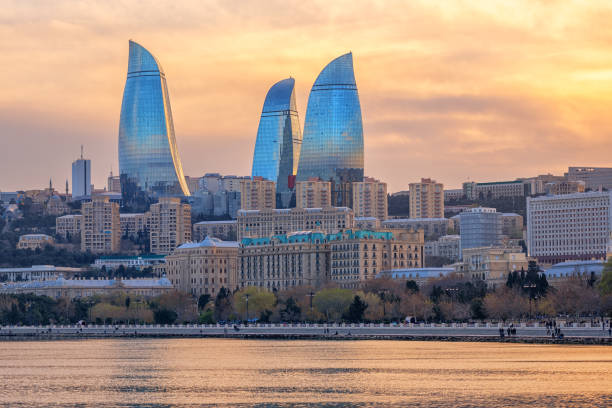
(188, 372)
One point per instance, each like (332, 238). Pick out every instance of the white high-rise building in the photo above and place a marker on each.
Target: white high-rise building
(569, 226)
(81, 177)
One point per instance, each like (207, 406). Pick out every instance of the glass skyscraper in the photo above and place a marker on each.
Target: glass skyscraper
(332, 149)
(148, 157)
(277, 148)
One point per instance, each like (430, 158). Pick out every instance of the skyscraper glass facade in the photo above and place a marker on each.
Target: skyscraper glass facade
(279, 138)
(148, 156)
(333, 133)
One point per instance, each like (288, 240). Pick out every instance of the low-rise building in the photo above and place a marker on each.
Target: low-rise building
(493, 264)
(453, 194)
(447, 246)
(138, 262)
(433, 228)
(224, 230)
(34, 241)
(37, 272)
(512, 225)
(419, 275)
(568, 270)
(367, 223)
(69, 226)
(203, 267)
(265, 223)
(80, 288)
(134, 224)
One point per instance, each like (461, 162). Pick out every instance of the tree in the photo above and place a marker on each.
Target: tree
(291, 312)
(258, 301)
(203, 301)
(605, 284)
(416, 306)
(223, 304)
(333, 302)
(506, 304)
(412, 286)
(356, 310)
(164, 316)
(127, 302)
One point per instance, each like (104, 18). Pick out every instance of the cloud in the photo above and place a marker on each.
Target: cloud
(486, 90)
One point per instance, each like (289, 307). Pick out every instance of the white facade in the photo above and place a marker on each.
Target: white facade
(569, 226)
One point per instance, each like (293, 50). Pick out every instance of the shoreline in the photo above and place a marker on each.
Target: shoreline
(605, 341)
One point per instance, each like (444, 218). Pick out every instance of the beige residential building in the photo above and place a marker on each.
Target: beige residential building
(359, 255)
(367, 223)
(204, 267)
(69, 226)
(313, 258)
(493, 264)
(101, 228)
(426, 199)
(284, 261)
(225, 230)
(512, 225)
(313, 193)
(169, 225)
(255, 223)
(257, 194)
(34, 241)
(370, 198)
(133, 224)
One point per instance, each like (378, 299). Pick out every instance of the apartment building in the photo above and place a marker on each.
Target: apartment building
(101, 228)
(203, 267)
(426, 199)
(313, 193)
(370, 198)
(169, 225)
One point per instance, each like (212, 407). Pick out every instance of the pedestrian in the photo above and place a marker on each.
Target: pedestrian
(501, 332)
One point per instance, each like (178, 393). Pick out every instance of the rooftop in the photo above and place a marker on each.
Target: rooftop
(210, 242)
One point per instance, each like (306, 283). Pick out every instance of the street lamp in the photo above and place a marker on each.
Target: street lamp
(531, 286)
(383, 298)
(452, 296)
(311, 295)
(247, 307)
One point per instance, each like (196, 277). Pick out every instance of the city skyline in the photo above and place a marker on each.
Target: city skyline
(440, 98)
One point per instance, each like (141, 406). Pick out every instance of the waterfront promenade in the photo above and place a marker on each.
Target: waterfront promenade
(452, 331)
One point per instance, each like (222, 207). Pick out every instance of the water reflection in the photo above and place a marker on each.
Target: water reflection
(213, 372)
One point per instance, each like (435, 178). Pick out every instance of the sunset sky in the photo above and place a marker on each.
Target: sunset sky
(452, 90)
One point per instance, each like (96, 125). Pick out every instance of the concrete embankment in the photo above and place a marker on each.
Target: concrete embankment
(526, 335)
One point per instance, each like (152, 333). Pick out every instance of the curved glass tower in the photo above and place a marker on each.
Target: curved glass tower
(332, 149)
(277, 148)
(148, 156)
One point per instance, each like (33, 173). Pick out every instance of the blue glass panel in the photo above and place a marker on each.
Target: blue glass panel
(333, 132)
(279, 138)
(148, 156)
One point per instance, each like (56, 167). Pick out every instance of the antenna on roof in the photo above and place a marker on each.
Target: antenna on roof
(81, 152)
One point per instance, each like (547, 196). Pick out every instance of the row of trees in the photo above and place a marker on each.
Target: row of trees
(526, 294)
